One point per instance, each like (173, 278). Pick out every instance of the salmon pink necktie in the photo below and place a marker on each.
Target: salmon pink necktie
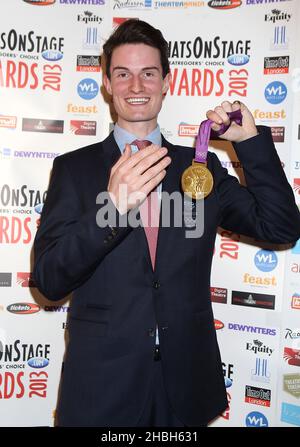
(149, 212)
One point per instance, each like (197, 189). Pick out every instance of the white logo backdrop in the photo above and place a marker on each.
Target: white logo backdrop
(52, 102)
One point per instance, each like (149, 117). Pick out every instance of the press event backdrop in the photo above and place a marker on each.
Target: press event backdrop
(52, 103)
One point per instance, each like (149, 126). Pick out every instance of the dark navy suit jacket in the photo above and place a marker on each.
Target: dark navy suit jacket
(117, 297)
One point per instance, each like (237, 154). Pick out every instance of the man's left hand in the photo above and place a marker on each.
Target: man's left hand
(235, 132)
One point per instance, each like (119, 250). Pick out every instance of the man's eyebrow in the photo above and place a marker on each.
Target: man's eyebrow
(150, 68)
(119, 67)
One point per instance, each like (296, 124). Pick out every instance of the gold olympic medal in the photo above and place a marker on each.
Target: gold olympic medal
(197, 181)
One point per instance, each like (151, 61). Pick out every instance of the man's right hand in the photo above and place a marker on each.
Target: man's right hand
(134, 176)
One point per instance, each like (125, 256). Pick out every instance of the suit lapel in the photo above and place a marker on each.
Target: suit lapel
(111, 153)
(171, 183)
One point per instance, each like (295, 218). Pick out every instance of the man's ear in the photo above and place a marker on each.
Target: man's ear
(107, 84)
(166, 83)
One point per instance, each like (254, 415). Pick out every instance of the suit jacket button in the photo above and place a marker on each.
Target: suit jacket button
(156, 284)
(151, 332)
(114, 231)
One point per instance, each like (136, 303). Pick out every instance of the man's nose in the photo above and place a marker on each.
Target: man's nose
(136, 84)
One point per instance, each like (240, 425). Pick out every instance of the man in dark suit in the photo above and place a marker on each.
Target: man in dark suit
(142, 346)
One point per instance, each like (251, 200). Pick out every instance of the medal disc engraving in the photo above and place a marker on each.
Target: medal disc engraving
(197, 181)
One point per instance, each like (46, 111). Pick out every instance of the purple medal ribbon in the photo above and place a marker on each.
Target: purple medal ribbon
(205, 131)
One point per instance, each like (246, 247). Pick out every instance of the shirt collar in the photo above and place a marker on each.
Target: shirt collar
(124, 137)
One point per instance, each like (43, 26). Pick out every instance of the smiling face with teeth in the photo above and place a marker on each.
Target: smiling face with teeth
(137, 86)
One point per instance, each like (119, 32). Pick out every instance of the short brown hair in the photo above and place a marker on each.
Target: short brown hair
(137, 31)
